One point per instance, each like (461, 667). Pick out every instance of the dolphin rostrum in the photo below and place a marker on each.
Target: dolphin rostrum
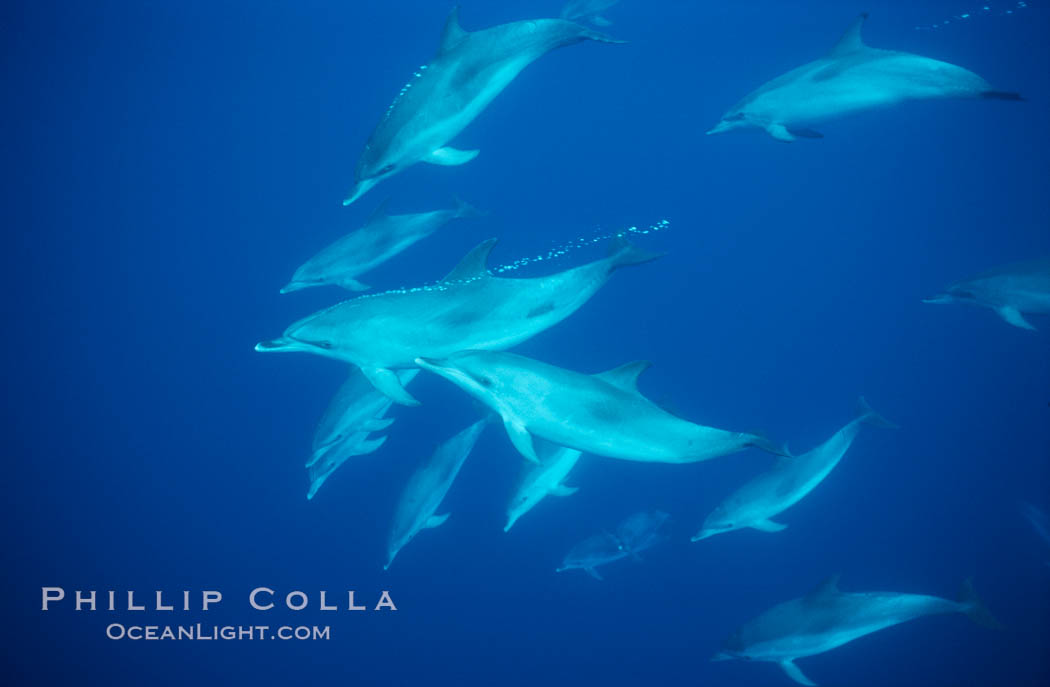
(382, 237)
(427, 487)
(603, 414)
(355, 411)
(540, 481)
(469, 70)
(851, 78)
(771, 493)
(1011, 290)
(826, 619)
(471, 308)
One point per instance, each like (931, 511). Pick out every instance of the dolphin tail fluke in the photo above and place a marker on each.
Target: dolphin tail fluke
(866, 414)
(465, 210)
(793, 672)
(1001, 95)
(976, 609)
(623, 253)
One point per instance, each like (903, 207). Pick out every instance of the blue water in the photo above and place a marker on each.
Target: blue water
(170, 164)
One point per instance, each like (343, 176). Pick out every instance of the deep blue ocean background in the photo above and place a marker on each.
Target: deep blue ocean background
(171, 163)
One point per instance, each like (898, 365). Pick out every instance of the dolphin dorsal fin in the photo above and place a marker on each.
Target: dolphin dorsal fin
(453, 34)
(474, 265)
(625, 376)
(380, 211)
(828, 587)
(851, 41)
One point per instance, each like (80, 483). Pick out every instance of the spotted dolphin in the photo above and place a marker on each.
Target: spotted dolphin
(603, 414)
(601, 549)
(542, 480)
(382, 237)
(791, 479)
(471, 308)
(826, 619)
(851, 78)
(427, 487)
(1011, 291)
(469, 70)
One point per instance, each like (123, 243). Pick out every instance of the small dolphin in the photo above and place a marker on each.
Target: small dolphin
(851, 78)
(427, 487)
(469, 70)
(355, 411)
(1037, 518)
(600, 549)
(754, 504)
(382, 237)
(539, 481)
(643, 531)
(603, 414)
(469, 309)
(1010, 290)
(588, 10)
(827, 618)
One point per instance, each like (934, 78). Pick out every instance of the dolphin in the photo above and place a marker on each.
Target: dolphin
(1010, 290)
(469, 70)
(598, 550)
(427, 487)
(540, 481)
(851, 78)
(642, 531)
(471, 308)
(588, 10)
(826, 619)
(382, 237)
(771, 493)
(355, 411)
(603, 414)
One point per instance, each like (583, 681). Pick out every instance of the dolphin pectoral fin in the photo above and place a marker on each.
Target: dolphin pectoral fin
(377, 424)
(1013, 316)
(520, 437)
(804, 133)
(792, 671)
(562, 490)
(351, 284)
(780, 132)
(594, 573)
(386, 381)
(436, 520)
(768, 526)
(450, 157)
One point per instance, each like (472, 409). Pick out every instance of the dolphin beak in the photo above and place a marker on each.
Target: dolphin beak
(432, 364)
(704, 534)
(942, 298)
(293, 286)
(722, 656)
(281, 345)
(360, 188)
(718, 128)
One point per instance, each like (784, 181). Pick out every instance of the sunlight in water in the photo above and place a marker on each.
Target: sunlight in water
(984, 10)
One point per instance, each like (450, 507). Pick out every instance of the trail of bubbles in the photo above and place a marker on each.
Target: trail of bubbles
(985, 10)
(553, 253)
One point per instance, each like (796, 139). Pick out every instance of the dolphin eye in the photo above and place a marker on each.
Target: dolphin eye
(327, 345)
(485, 382)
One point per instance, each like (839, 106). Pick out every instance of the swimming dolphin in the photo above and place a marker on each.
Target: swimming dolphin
(642, 531)
(470, 309)
(382, 237)
(827, 618)
(588, 10)
(469, 70)
(603, 414)
(539, 481)
(851, 78)
(594, 551)
(355, 411)
(1021, 287)
(427, 487)
(771, 493)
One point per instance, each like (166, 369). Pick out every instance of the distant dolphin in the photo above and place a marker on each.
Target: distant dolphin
(643, 531)
(827, 618)
(851, 78)
(600, 549)
(541, 480)
(382, 237)
(603, 414)
(427, 487)
(470, 309)
(588, 10)
(355, 411)
(469, 70)
(1021, 287)
(771, 493)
